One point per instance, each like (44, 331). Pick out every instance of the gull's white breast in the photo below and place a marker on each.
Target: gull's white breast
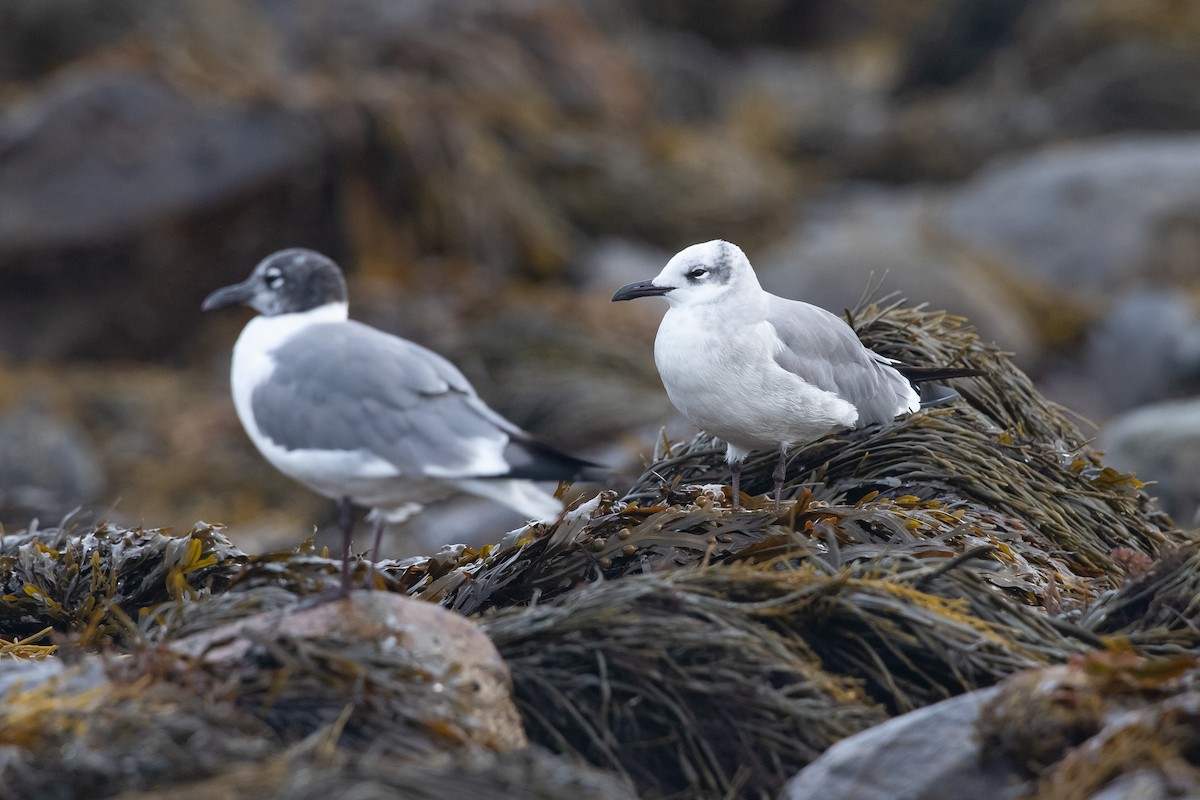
(333, 473)
(724, 378)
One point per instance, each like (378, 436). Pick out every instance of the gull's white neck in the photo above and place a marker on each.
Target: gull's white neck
(267, 333)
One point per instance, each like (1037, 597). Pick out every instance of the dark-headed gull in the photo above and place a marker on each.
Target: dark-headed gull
(365, 417)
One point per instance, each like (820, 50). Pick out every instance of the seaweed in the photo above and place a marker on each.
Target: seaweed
(716, 680)
(662, 679)
(1158, 609)
(97, 581)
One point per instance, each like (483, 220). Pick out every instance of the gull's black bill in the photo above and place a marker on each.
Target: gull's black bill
(237, 294)
(632, 291)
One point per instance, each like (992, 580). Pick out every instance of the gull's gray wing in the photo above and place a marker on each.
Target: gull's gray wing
(347, 386)
(822, 349)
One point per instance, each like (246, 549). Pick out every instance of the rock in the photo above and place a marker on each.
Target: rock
(956, 39)
(111, 185)
(876, 240)
(1145, 348)
(795, 104)
(1140, 86)
(21, 675)
(1160, 443)
(308, 773)
(1086, 219)
(100, 155)
(1140, 785)
(460, 662)
(1087, 728)
(612, 262)
(49, 467)
(37, 36)
(928, 754)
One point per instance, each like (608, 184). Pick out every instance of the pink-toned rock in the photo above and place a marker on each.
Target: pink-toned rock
(437, 643)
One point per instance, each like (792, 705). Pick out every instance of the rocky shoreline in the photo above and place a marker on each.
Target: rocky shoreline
(651, 643)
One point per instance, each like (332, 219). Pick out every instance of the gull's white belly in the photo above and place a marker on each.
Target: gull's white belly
(731, 387)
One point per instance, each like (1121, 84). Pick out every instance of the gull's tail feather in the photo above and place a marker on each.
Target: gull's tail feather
(520, 495)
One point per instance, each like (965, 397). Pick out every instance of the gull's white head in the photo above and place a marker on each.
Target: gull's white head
(700, 274)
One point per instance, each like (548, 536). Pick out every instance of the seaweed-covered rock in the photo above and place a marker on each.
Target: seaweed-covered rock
(414, 640)
(1075, 729)
(1109, 724)
(375, 672)
(920, 560)
(648, 675)
(315, 772)
(1003, 472)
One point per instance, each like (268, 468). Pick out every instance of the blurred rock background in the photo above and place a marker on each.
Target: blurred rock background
(488, 172)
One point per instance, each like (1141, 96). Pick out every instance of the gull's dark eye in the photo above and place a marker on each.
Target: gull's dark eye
(273, 278)
(697, 272)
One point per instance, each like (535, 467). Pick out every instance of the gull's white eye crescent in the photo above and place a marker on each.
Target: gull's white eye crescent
(273, 277)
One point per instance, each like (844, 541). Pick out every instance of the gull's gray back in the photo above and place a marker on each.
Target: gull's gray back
(388, 396)
(823, 350)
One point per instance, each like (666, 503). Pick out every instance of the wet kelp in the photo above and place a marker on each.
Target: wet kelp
(707, 682)
(99, 580)
(678, 646)
(663, 679)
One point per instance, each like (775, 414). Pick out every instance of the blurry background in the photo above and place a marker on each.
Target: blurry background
(489, 172)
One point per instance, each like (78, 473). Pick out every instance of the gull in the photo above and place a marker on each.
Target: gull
(365, 417)
(760, 371)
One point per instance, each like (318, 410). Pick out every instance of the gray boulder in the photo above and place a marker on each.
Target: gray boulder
(928, 754)
(1145, 348)
(1160, 443)
(47, 466)
(1085, 219)
(123, 200)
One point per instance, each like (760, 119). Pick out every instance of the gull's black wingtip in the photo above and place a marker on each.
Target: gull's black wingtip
(535, 460)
